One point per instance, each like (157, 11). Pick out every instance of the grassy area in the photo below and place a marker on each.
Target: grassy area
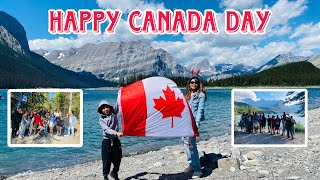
(299, 128)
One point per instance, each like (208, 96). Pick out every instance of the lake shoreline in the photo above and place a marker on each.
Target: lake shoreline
(227, 162)
(183, 87)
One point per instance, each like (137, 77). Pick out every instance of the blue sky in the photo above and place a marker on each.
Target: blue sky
(271, 95)
(51, 95)
(262, 95)
(294, 27)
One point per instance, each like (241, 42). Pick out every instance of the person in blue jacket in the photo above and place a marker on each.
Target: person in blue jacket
(72, 122)
(196, 96)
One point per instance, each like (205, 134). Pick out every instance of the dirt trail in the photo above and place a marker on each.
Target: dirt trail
(241, 137)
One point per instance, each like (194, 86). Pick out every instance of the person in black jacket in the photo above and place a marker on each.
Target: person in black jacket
(16, 118)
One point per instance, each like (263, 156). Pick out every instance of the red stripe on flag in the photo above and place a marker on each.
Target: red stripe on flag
(134, 110)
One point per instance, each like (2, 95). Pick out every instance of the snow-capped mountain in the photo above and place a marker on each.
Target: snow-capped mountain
(220, 71)
(315, 60)
(281, 59)
(272, 105)
(205, 68)
(116, 60)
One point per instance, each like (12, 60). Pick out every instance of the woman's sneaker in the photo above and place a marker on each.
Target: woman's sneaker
(196, 175)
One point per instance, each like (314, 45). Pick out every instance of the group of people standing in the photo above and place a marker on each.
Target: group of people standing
(253, 122)
(42, 123)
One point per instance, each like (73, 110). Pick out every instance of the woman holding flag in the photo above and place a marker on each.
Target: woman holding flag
(196, 96)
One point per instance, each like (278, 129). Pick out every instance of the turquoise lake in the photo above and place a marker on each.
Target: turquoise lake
(14, 160)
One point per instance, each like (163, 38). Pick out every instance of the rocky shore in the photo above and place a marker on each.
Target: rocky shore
(219, 160)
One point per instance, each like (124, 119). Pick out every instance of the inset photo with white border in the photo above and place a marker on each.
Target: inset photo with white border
(269, 117)
(45, 118)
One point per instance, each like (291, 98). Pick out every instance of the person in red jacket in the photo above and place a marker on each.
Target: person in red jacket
(40, 127)
(269, 123)
(36, 121)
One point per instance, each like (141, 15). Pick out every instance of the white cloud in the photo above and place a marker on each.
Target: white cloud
(308, 34)
(280, 31)
(223, 39)
(122, 30)
(62, 43)
(123, 34)
(127, 5)
(241, 95)
(241, 48)
(240, 4)
(191, 51)
(284, 10)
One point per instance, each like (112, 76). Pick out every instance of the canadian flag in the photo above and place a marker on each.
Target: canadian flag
(155, 107)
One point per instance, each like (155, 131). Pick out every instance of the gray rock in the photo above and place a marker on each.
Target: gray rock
(177, 152)
(157, 164)
(13, 26)
(9, 39)
(255, 155)
(225, 154)
(227, 163)
(238, 156)
(118, 60)
(253, 162)
(263, 172)
(242, 167)
(182, 159)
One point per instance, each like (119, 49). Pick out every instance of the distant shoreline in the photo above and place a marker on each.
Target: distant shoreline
(207, 87)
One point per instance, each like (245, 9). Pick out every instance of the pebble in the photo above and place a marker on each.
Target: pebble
(293, 178)
(251, 163)
(264, 172)
(177, 152)
(243, 167)
(157, 164)
(225, 154)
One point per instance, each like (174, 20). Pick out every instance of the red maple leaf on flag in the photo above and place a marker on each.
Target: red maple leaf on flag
(169, 107)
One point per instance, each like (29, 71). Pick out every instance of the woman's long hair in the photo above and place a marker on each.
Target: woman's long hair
(200, 88)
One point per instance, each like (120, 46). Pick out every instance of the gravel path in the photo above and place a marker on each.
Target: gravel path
(241, 137)
(219, 160)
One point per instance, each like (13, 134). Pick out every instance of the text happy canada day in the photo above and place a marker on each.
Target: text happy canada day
(158, 22)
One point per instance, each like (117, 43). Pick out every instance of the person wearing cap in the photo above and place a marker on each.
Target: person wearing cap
(196, 96)
(111, 151)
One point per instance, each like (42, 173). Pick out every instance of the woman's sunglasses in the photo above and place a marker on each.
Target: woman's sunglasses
(192, 82)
